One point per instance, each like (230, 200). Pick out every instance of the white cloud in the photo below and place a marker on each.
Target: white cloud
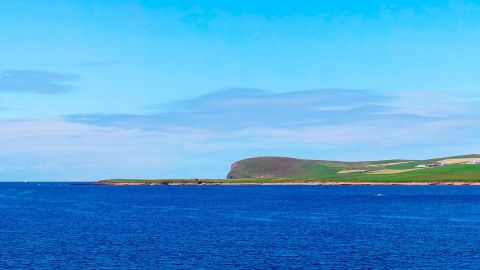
(36, 81)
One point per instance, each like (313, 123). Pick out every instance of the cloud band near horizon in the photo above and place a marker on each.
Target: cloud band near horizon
(200, 137)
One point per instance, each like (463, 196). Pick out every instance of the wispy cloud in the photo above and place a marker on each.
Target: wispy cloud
(36, 81)
(313, 118)
(237, 109)
(104, 63)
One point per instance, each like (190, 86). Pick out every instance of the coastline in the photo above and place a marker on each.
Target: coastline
(439, 183)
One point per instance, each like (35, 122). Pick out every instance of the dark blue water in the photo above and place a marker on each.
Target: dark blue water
(51, 226)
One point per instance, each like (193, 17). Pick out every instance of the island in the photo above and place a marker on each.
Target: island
(456, 170)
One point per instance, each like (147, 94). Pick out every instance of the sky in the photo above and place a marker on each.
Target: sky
(181, 89)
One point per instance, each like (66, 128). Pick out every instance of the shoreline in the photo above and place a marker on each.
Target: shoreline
(439, 183)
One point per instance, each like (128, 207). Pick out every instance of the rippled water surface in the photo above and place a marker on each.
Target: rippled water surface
(63, 226)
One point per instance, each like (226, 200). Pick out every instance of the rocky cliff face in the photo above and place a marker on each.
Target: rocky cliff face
(265, 167)
(233, 168)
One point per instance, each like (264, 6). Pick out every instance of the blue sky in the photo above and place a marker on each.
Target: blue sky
(104, 89)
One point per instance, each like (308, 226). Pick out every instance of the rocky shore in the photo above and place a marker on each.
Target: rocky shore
(185, 183)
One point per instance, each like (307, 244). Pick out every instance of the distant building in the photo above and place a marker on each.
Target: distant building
(435, 164)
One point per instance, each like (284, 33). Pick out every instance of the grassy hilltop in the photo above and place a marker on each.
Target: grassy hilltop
(265, 170)
(458, 168)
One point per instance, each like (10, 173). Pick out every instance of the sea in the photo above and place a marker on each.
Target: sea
(84, 226)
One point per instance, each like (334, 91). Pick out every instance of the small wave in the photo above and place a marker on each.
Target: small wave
(463, 220)
(24, 192)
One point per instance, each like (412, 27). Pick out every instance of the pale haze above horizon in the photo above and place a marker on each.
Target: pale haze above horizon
(181, 89)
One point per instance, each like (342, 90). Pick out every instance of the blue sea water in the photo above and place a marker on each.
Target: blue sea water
(64, 226)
